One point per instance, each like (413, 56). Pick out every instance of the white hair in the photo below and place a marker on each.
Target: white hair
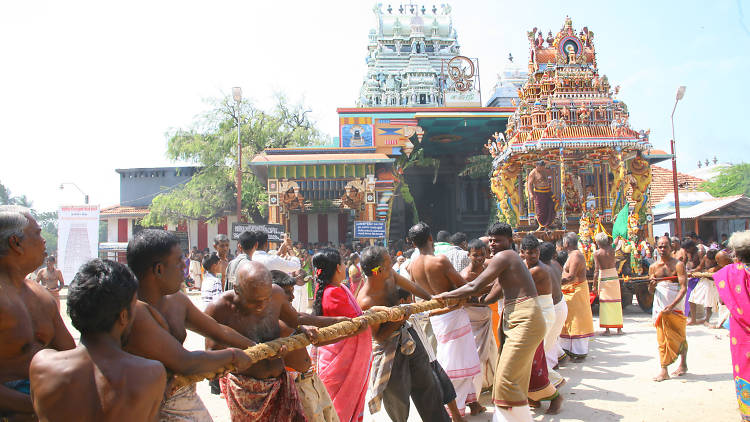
(601, 238)
(570, 240)
(740, 243)
(12, 221)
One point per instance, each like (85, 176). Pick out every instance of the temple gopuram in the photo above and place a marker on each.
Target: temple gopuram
(568, 159)
(401, 150)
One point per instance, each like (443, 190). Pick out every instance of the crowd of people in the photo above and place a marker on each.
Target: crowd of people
(512, 312)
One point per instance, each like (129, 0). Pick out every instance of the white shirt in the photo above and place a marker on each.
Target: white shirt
(275, 262)
(210, 288)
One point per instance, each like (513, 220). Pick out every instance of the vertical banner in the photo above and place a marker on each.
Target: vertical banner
(77, 237)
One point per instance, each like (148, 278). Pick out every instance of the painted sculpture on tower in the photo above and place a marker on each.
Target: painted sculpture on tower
(640, 179)
(617, 186)
(539, 189)
(573, 193)
(586, 244)
(504, 184)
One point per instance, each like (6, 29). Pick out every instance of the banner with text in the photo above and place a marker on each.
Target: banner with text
(274, 230)
(369, 229)
(77, 238)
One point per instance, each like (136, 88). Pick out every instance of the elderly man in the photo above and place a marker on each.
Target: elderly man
(265, 390)
(607, 285)
(162, 316)
(97, 381)
(579, 326)
(668, 284)
(29, 318)
(456, 349)
(312, 392)
(51, 278)
(522, 328)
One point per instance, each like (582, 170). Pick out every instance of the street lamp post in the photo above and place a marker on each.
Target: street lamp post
(678, 222)
(237, 95)
(85, 196)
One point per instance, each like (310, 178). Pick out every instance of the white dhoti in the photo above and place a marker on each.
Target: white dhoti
(300, 302)
(552, 348)
(513, 414)
(550, 318)
(457, 354)
(705, 294)
(195, 273)
(481, 327)
(183, 405)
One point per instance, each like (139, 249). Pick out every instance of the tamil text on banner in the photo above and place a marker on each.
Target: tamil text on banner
(274, 231)
(77, 237)
(369, 229)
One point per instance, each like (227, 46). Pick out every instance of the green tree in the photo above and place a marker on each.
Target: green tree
(478, 166)
(732, 180)
(211, 144)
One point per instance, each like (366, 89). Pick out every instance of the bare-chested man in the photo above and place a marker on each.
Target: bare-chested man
(410, 374)
(522, 325)
(97, 381)
(552, 348)
(29, 318)
(264, 391)
(607, 285)
(669, 301)
(579, 325)
(480, 316)
(540, 387)
(162, 316)
(221, 245)
(51, 278)
(690, 255)
(457, 354)
(539, 188)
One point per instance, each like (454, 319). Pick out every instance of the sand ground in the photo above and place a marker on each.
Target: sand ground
(612, 384)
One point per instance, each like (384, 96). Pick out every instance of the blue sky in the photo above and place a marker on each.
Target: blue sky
(90, 86)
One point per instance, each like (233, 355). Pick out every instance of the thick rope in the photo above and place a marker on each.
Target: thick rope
(343, 329)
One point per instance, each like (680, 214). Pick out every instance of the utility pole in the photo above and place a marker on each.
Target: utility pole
(678, 222)
(237, 94)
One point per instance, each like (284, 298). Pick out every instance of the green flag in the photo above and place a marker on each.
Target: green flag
(620, 227)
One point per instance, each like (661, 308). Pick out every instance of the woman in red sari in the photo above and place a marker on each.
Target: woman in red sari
(344, 366)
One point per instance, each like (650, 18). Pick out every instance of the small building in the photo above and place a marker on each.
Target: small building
(138, 187)
(710, 218)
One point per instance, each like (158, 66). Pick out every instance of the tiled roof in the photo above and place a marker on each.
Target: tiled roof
(661, 183)
(123, 211)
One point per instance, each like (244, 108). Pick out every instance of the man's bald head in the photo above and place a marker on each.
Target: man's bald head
(254, 286)
(252, 273)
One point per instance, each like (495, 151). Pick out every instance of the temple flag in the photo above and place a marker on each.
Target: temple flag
(620, 227)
